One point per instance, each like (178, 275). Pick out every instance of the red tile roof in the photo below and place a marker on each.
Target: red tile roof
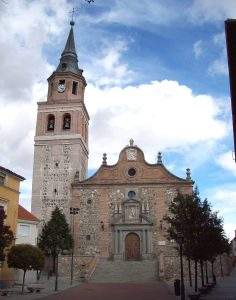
(24, 214)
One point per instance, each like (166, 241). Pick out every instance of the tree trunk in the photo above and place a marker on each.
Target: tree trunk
(212, 272)
(196, 278)
(23, 283)
(202, 274)
(221, 268)
(54, 264)
(206, 272)
(38, 274)
(189, 272)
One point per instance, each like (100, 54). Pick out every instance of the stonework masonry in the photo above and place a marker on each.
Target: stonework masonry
(130, 197)
(121, 206)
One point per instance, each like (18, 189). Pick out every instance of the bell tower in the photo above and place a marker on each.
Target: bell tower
(61, 138)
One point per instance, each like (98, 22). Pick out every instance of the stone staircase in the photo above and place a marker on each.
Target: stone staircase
(125, 271)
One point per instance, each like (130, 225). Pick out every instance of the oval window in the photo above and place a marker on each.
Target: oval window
(131, 172)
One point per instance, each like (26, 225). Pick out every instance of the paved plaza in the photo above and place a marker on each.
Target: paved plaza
(115, 291)
(225, 290)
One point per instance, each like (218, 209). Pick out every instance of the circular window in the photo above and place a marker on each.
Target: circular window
(131, 194)
(89, 201)
(131, 172)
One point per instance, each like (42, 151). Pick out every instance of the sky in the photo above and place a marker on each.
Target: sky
(156, 72)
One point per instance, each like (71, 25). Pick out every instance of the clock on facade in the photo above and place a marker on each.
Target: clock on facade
(61, 87)
(131, 154)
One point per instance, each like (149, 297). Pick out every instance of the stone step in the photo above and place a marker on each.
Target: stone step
(125, 271)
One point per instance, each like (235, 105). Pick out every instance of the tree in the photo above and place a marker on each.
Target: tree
(183, 218)
(25, 257)
(201, 228)
(55, 236)
(6, 235)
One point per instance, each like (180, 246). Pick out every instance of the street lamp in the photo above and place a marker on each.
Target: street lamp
(180, 241)
(56, 279)
(73, 211)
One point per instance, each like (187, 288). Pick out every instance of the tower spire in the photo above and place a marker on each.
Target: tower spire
(69, 60)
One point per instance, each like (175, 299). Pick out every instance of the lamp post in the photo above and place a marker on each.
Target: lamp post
(180, 240)
(73, 211)
(56, 278)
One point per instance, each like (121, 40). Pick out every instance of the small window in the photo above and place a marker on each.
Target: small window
(62, 81)
(2, 178)
(66, 121)
(88, 237)
(132, 172)
(89, 201)
(63, 66)
(75, 88)
(131, 194)
(51, 123)
(24, 230)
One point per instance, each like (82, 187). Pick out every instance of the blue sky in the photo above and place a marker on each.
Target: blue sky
(156, 72)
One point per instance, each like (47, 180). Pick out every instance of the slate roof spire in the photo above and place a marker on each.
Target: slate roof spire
(69, 60)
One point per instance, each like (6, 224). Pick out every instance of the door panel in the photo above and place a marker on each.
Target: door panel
(132, 246)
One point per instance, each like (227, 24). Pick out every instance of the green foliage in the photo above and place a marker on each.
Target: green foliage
(6, 235)
(201, 228)
(25, 257)
(55, 234)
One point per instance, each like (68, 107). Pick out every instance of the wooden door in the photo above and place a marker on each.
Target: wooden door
(132, 246)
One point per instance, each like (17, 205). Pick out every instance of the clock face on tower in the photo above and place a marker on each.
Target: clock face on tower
(61, 86)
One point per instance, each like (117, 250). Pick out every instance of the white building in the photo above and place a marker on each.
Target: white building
(233, 246)
(26, 232)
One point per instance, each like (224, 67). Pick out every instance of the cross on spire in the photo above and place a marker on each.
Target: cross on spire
(75, 10)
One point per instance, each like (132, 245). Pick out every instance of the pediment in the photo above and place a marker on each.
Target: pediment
(132, 168)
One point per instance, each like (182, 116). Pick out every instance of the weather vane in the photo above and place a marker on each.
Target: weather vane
(75, 10)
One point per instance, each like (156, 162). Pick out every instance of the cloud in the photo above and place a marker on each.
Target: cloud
(223, 199)
(211, 10)
(227, 162)
(107, 68)
(159, 115)
(138, 13)
(219, 66)
(198, 49)
(27, 27)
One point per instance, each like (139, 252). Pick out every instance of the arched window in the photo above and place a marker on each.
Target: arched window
(66, 121)
(51, 123)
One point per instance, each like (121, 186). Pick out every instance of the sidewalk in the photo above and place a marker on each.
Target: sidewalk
(49, 285)
(225, 288)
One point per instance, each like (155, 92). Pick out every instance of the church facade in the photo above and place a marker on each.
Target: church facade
(121, 207)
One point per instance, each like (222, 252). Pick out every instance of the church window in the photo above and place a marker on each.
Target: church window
(131, 194)
(66, 121)
(75, 88)
(88, 237)
(51, 123)
(63, 66)
(131, 172)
